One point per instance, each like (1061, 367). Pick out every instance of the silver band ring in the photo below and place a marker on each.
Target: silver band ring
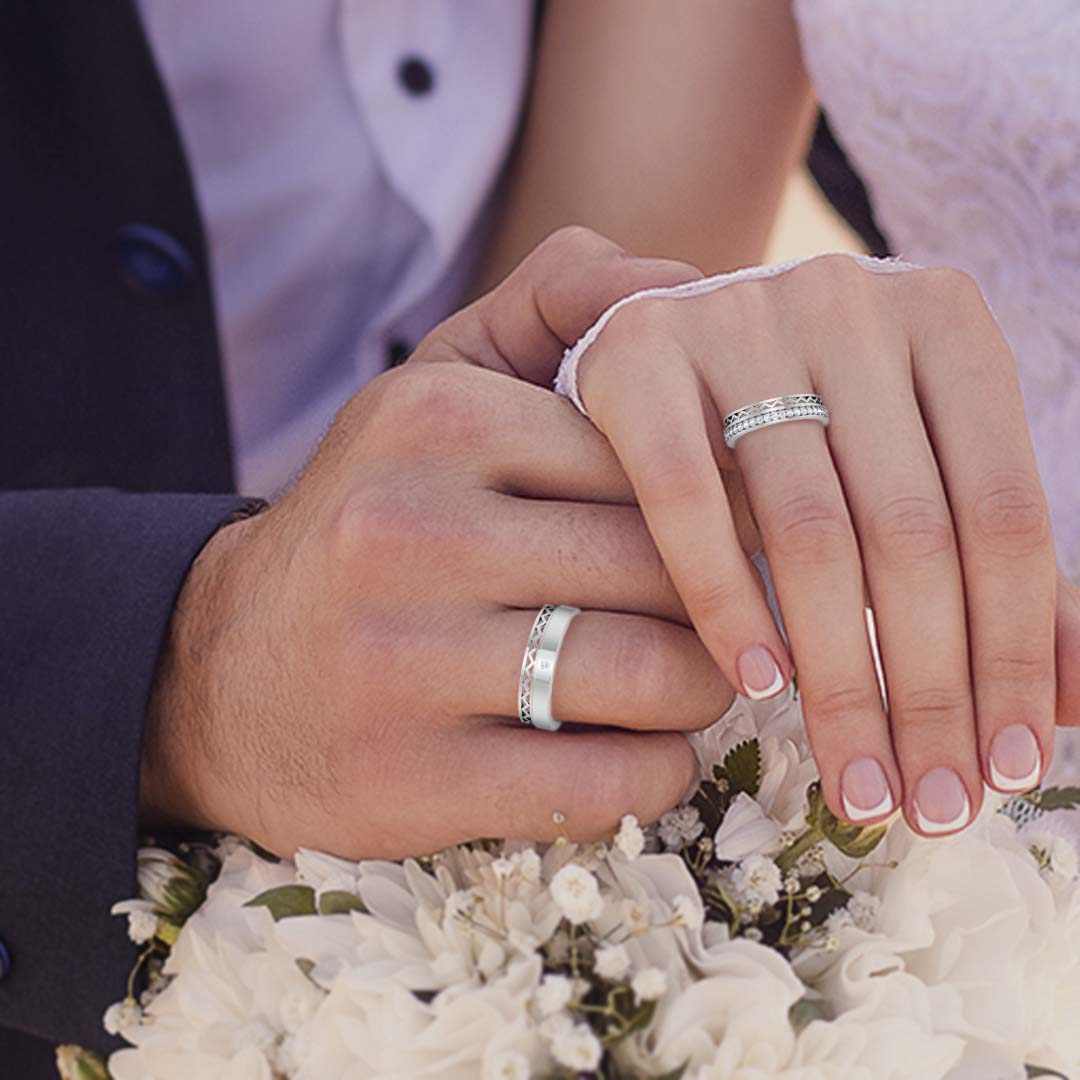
(775, 410)
(538, 667)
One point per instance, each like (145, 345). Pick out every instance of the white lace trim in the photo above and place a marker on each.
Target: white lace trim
(566, 378)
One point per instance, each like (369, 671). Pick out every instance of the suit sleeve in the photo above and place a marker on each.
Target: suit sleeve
(88, 580)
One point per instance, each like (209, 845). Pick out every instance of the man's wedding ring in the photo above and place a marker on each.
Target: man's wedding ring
(774, 410)
(538, 667)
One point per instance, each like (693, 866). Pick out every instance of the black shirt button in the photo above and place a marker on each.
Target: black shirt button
(153, 264)
(5, 960)
(415, 74)
(397, 352)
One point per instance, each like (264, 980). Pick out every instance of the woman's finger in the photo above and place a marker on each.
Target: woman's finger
(904, 527)
(652, 412)
(626, 671)
(965, 379)
(1068, 653)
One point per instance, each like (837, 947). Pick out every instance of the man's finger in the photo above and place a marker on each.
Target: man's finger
(557, 292)
(525, 784)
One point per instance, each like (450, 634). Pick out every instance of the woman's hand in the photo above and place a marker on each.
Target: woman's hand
(922, 499)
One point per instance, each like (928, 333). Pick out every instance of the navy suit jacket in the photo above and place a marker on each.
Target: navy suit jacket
(115, 469)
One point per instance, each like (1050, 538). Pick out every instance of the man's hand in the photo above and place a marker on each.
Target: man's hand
(342, 670)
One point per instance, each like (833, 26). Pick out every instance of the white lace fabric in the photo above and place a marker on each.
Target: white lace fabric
(963, 119)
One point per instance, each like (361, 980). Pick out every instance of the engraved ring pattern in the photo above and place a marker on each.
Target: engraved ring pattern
(538, 667)
(774, 410)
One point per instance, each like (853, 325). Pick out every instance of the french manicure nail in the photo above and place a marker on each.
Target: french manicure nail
(941, 801)
(759, 673)
(864, 789)
(1015, 761)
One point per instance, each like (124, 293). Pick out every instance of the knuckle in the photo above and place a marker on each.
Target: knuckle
(909, 529)
(810, 527)
(844, 704)
(1018, 671)
(949, 286)
(934, 705)
(434, 402)
(576, 240)
(669, 476)
(712, 602)
(383, 523)
(643, 660)
(1010, 517)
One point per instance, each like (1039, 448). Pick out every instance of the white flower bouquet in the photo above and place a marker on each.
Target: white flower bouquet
(749, 934)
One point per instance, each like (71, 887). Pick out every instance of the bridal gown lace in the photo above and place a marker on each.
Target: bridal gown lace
(963, 119)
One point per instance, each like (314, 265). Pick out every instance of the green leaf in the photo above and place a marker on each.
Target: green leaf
(1059, 798)
(855, 841)
(75, 1063)
(337, 902)
(805, 1011)
(1038, 1070)
(305, 965)
(742, 764)
(711, 803)
(286, 901)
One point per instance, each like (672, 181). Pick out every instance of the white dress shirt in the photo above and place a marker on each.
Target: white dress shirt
(344, 153)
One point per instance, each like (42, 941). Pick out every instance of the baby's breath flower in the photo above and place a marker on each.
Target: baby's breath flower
(813, 894)
(142, 926)
(460, 905)
(577, 1048)
(553, 994)
(757, 881)
(791, 884)
(649, 984)
(680, 826)
(630, 839)
(805, 927)
(687, 913)
(837, 920)
(577, 894)
(510, 1065)
(811, 862)
(865, 908)
(752, 933)
(122, 1017)
(502, 868)
(527, 864)
(612, 962)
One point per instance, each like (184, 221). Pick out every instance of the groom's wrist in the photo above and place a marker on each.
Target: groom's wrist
(177, 763)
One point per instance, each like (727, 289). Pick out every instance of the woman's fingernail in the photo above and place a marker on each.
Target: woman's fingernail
(864, 789)
(1015, 761)
(941, 801)
(759, 673)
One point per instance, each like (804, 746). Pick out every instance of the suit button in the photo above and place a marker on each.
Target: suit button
(416, 76)
(153, 264)
(5, 960)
